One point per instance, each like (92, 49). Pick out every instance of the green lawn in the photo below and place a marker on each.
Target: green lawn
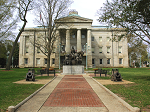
(11, 93)
(137, 94)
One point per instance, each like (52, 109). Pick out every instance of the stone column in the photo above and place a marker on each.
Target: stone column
(23, 45)
(57, 49)
(67, 41)
(79, 40)
(89, 53)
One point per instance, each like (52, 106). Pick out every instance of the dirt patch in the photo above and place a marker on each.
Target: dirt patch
(37, 81)
(106, 82)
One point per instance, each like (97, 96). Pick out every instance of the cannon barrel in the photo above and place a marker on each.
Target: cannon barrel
(30, 75)
(116, 76)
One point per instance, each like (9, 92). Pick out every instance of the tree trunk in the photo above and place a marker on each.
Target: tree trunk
(14, 45)
(49, 50)
(48, 64)
(48, 60)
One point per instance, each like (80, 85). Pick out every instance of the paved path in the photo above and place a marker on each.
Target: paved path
(73, 93)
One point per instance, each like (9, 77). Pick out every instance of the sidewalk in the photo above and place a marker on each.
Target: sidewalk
(75, 93)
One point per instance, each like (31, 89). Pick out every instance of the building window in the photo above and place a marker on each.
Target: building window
(53, 61)
(63, 48)
(108, 39)
(120, 49)
(108, 60)
(26, 39)
(83, 48)
(54, 50)
(46, 40)
(120, 60)
(93, 49)
(27, 49)
(45, 61)
(93, 61)
(38, 50)
(25, 60)
(100, 50)
(46, 51)
(92, 38)
(38, 38)
(108, 49)
(100, 39)
(101, 61)
(83, 36)
(73, 36)
(37, 60)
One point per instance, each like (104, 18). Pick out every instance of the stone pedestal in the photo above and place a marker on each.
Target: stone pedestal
(73, 70)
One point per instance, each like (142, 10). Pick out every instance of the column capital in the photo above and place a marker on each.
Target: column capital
(67, 28)
(89, 29)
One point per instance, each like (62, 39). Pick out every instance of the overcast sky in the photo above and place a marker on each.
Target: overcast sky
(85, 8)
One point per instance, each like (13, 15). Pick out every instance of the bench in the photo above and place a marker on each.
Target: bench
(47, 71)
(100, 71)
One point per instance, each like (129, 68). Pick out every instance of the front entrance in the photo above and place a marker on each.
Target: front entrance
(62, 58)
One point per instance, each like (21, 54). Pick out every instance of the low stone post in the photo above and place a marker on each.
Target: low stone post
(11, 109)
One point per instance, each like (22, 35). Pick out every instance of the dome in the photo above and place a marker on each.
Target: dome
(73, 13)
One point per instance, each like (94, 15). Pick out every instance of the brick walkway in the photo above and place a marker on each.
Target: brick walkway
(73, 91)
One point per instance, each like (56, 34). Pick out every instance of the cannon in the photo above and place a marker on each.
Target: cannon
(30, 75)
(116, 76)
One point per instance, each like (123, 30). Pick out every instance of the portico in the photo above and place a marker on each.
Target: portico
(74, 38)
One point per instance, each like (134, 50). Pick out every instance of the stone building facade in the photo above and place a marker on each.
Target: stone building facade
(101, 44)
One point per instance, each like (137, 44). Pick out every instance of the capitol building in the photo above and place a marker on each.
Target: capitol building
(101, 45)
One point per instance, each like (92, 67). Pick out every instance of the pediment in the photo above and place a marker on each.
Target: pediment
(74, 19)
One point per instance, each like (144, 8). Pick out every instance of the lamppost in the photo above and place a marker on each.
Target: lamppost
(85, 46)
(59, 53)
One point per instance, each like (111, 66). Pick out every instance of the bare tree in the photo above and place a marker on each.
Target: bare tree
(23, 7)
(48, 12)
(7, 19)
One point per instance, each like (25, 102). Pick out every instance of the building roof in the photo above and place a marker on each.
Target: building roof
(100, 27)
(73, 17)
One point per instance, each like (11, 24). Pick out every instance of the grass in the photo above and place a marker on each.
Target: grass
(138, 93)
(11, 93)
(102, 78)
